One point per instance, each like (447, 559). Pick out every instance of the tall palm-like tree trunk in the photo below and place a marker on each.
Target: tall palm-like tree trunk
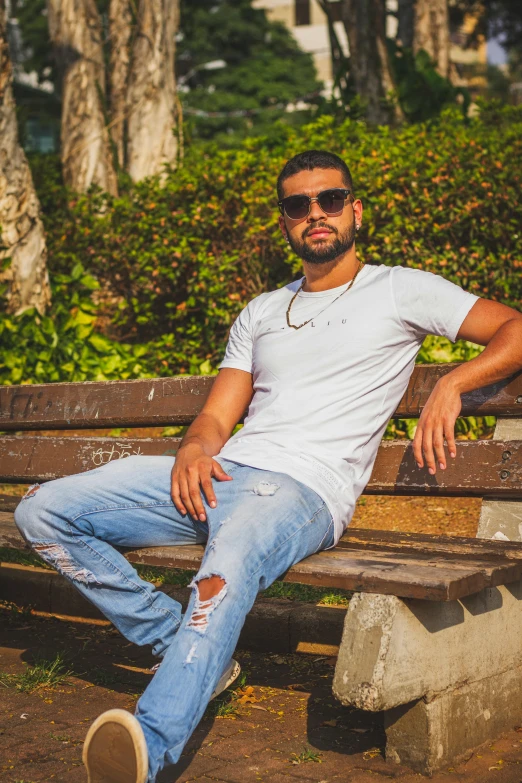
(424, 24)
(431, 32)
(120, 31)
(151, 98)
(76, 33)
(365, 24)
(22, 232)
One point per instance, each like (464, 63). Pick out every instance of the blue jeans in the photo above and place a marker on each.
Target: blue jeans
(264, 522)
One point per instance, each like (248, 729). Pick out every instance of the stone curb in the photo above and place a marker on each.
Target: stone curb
(273, 625)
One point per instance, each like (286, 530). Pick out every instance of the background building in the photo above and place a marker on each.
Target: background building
(307, 22)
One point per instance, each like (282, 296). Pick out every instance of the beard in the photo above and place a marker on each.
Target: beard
(326, 250)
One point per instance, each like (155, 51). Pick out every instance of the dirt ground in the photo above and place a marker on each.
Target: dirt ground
(436, 516)
(282, 723)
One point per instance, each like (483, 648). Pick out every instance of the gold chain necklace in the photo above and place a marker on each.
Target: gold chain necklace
(352, 281)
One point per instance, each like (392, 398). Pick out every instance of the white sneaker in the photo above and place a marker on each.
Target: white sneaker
(115, 750)
(230, 674)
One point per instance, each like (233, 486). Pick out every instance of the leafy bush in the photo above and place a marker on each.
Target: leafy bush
(149, 283)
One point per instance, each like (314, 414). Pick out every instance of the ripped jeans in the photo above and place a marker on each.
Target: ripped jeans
(264, 522)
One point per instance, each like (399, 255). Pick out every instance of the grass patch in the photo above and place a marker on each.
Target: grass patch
(22, 557)
(306, 755)
(308, 594)
(165, 576)
(42, 674)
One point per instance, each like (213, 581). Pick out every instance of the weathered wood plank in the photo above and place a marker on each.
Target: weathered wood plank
(498, 399)
(450, 547)
(169, 401)
(484, 467)
(35, 458)
(154, 402)
(405, 576)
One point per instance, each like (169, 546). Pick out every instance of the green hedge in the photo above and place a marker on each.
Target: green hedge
(149, 283)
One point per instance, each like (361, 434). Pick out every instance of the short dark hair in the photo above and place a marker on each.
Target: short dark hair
(313, 159)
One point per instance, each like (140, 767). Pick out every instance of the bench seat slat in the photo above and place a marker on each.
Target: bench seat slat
(167, 401)
(457, 547)
(417, 575)
(484, 467)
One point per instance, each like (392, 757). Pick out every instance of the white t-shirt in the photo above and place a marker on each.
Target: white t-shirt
(324, 394)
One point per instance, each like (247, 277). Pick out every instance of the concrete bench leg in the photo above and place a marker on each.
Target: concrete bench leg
(447, 675)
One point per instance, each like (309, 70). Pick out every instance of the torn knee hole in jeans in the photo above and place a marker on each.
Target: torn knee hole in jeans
(203, 607)
(58, 557)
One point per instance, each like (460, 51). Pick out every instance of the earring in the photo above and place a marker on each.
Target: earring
(357, 227)
(287, 240)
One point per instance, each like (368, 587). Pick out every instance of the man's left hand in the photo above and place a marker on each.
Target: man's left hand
(436, 424)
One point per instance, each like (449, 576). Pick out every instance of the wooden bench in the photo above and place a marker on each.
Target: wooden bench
(433, 634)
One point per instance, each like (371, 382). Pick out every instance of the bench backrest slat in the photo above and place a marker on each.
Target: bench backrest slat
(176, 401)
(484, 467)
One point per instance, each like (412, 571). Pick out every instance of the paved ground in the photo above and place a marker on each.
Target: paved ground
(281, 725)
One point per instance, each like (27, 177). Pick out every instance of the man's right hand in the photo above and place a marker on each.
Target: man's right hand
(193, 471)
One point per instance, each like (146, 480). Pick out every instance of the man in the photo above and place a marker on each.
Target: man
(321, 365)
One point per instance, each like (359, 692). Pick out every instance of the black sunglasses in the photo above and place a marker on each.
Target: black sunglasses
(298, 207)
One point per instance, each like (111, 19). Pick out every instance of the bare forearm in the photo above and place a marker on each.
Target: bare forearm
(501, 357)
(205, 432)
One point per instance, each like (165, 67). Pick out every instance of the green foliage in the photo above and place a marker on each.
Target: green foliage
(149, 283)
(43, 674)
(64, 346)
(264, 68)
(421, 90)
(34, 25)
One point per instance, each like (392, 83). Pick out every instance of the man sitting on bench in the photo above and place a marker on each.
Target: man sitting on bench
(321, 364)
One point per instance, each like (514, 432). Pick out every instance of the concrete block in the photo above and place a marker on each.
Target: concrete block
(502, 516)
(395, 651)
(267, 627)
(26, 586)
(316, 629)
(429, 735)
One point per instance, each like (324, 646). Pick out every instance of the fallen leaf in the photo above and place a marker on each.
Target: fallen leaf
(258, 707)
(332, 723)
(246, 700)
(277, 659)
(371, 754)
(360, 731)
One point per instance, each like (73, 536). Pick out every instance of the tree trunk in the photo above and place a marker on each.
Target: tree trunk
(151, 99)
(22, 232)
(405, 14)
(365, 25)
(120, 30)
(75, 29)
(431, 32)
(339, 60)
